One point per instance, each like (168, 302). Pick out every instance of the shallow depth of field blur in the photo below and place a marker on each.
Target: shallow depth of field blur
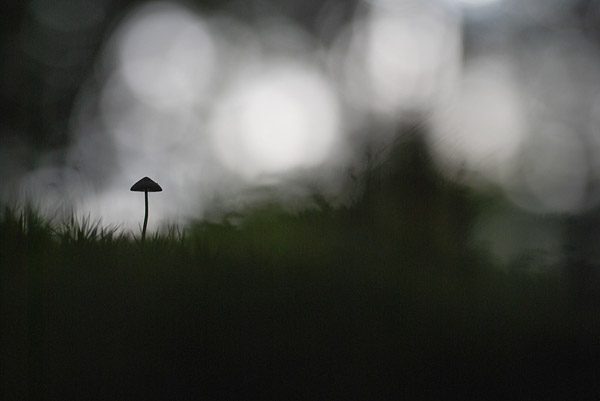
(377, 196)
(231, 103)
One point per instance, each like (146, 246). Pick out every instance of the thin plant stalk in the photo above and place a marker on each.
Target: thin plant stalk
(145, 185)
(145, 217)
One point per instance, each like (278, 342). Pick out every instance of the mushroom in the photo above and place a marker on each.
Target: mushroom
(146, 185)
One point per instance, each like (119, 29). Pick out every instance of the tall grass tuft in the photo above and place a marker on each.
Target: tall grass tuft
(21, 227)
(85, 229)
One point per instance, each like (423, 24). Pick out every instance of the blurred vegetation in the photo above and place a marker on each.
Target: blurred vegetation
(382, 299)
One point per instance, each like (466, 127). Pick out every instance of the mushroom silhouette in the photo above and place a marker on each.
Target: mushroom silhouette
(146, 185)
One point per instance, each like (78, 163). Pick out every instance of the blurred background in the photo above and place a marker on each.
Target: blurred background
(226, 103)
(373, 195)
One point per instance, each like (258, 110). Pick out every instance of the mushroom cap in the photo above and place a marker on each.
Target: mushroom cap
(146, 184)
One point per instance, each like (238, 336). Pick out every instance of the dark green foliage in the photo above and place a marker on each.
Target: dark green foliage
(380, 300)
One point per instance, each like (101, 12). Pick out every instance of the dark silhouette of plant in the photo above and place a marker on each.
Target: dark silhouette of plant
(146, 185)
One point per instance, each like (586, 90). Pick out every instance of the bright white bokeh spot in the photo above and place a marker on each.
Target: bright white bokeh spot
(137, 128)
(482, 127)
(476, 2)
(399, 57)
(276, 120)
(167, 56)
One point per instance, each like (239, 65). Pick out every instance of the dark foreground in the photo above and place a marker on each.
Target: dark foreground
(383, 300)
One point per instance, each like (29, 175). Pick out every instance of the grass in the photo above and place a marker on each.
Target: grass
(383, 299)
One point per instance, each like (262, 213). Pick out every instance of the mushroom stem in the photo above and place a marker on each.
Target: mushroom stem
(145, 217)
(145, 185)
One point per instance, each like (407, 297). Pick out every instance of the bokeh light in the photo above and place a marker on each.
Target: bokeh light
(167, 56)
(479, 130)
(476, 2)
(211, 109)
(217, 106)
(284, 118)
(400, 56)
